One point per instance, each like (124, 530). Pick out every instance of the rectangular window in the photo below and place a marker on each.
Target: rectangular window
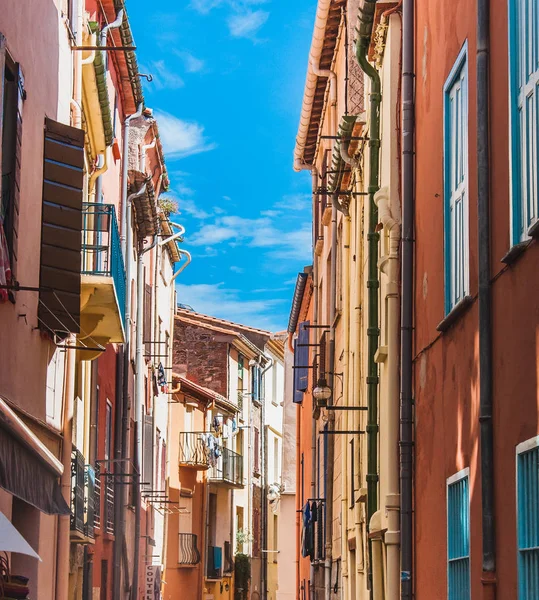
(524, 116)
(276, 478)
(528, 519)
(456, 183)
(458, 536)
(12, 96)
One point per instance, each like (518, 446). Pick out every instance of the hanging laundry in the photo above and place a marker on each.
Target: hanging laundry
(234, 427)
(162, 378)
(216, 425)
(307, 547)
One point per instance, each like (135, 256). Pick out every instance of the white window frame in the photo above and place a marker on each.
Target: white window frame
(521, 448)
(456, 242)
(462, 474)
(524, 193)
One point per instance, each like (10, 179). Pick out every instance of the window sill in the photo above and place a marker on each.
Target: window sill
(514, 253)
(459, 309)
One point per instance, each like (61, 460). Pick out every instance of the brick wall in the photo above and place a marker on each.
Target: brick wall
(202, 356)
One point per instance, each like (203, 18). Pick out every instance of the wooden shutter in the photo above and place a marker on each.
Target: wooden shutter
(303, 356)
(61, 228)
(148, 324)
(257, 450)
(298, 394)
(147, 459)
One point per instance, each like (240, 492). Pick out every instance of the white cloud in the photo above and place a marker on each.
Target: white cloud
(181, 138)
(186, 205)
(246, 24)
(216, 300)
(260, 232)
(235, 269)
(191, 63)
(271, 213)
(295, 202)
(205, 6)
(163, 77)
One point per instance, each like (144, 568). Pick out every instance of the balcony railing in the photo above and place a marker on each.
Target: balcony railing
(108, 517)
(194, 450)
(77, 491)
(188, 552)
(215, 562)
(85, 501)
(101, 249)
(228, 468)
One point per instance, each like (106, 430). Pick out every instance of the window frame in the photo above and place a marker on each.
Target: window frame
(459, 69)
(454, 479)
(522, 448)
(516, 160)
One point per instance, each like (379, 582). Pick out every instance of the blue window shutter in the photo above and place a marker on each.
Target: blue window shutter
(528, 524)
(303, 356)
(458, 540)
(298, 394)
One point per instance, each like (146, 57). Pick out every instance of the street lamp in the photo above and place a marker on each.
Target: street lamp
(322, 392)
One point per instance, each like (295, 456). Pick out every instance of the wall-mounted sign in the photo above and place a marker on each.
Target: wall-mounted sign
(153, 583)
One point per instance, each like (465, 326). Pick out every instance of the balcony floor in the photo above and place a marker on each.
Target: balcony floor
(100, 312)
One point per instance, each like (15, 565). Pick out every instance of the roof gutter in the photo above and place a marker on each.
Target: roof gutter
(322, 13)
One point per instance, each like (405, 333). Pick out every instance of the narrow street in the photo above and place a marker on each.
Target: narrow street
(269, 300)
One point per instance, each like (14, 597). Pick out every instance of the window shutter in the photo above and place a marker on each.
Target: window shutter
(303, 356)
(148, 323)
(298, 394)
(147, 464)
(257, 450)
(61, 228)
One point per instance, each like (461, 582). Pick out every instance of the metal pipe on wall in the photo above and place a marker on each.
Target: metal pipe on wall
(407, 290)
(485, 313)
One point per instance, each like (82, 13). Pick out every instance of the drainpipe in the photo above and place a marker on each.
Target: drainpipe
(139, 409)
(64, 521)
(391, 438)
(142, 157)
(366, 15)
(126, 206)
(331, 415)
(264, 457)
(407, 291)
(345, 478)
(104, 32)
(122, 452)
(314, 174)
(485, 321)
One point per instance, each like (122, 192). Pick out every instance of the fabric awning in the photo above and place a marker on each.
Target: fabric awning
(12, 541)
(28, 470)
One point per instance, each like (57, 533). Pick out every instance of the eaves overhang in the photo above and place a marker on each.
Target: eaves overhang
(145, 205)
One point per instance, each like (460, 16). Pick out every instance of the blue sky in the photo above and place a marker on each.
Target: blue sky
(227, 88)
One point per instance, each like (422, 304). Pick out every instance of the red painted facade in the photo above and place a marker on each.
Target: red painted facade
(446, 367)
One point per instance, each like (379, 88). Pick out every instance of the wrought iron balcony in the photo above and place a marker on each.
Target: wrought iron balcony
(77, 492)
(103, 274)
(227, 468)
(108, 517)
(194, 450)
(188, 552)
(84, 497)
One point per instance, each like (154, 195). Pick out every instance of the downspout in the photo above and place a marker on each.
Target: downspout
(366, 16)
(142, 158)
(331, 416)
(314, 174)
(264, 457)
(346, 476)
(407, 306)
(126, 206)
(104, 32)
(488, 578)
(391, 438)
(139, 409)
(64, 521)
(122, 452)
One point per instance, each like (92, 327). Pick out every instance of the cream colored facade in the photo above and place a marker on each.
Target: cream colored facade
(357, 511)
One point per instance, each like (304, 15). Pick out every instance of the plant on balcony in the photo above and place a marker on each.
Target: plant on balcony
(243, 536)
(242, 576)
(168, 206)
